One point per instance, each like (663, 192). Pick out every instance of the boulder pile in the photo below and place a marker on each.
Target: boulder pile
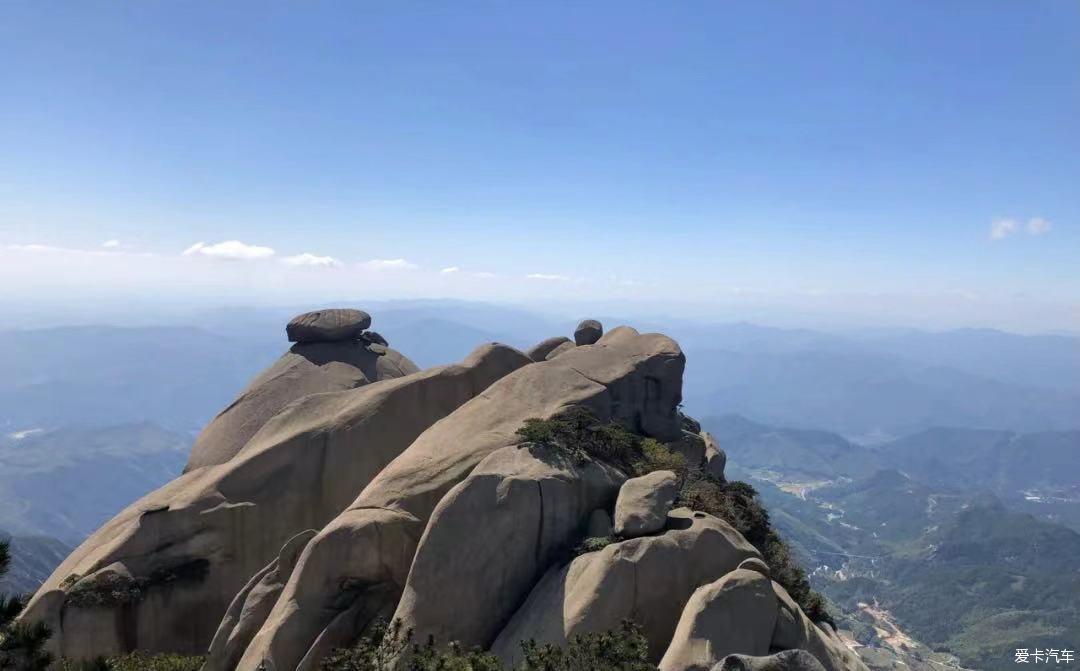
(344, 486)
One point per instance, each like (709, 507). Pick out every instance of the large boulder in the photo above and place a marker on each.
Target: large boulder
(715, 457)
(541, 350)
(733, 616)
(304, 370)
(644, 502)
(333, 325)
(588, 332)
(492, 537)
(362, 559)
(193, 544)
(795, 630)
(563, 348)
(787, 660)
(647, 579)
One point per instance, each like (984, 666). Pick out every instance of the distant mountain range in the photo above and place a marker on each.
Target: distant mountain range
(871, 386)
(947, 543)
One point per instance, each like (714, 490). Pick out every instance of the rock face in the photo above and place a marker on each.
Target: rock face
(493, 535)
(644, 502)
(788, 660)
(344, 486)
(588, 332)
(313, 365)
(332, 325)
(632, 579)
(715, 458)
(636, 381)
(733, 616)
(194, 543)
(541, 350)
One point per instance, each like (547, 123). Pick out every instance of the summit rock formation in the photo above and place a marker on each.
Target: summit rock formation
(344, 486)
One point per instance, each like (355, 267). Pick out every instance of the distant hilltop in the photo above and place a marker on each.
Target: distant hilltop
(537, 495)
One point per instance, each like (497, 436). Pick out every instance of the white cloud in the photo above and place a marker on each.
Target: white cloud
(451, 269)
(111, 244)
(231, 250)
(34, 248)
(1038, 226)
(547, 277)
(311, 260)
(389, 264)
(1003, 228)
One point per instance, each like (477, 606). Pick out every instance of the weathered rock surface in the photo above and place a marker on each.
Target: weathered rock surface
(636, 381)
(795, 630)
(251, 605)
(492, 537)
(788, 660)
(540, 351)
(588, 332)
(632, 579)
(715, 458)
(304, 370)
(644, 502)
(194, 543)
(560, 350)
(733, 616)
(599, 525)
(332, 325)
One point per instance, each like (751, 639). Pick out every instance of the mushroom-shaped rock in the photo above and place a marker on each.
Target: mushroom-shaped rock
(561, 349)
(644, 502)
(599, 525)
(250, 606)
(795, 630)
(715, 458)
(647, 579)
(787, 660)
(588, 332)
(371, 544)
(492, 535)
(304, 370)
(540, 351)
(302, 468)
(332, 325)
(734, 615)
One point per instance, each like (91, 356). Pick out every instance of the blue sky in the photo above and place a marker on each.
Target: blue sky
(847, 156)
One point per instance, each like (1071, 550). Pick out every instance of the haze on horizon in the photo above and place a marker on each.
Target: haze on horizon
(806, 164)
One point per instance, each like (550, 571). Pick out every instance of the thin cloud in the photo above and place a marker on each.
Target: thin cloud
(389, 264)
(1003, 228)
(232, 250)
(450, 270)
(311, 261)
(1038, 226)
(482, 275)
(111, 244)
(547, 277)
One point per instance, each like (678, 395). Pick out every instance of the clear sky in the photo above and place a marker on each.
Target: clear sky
(906, 161)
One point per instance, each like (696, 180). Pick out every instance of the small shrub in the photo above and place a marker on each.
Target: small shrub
(593, 544)
(622, 649)
(655, 456)
(22, 645)
(136, 661)
(382, 649)
(578, 432)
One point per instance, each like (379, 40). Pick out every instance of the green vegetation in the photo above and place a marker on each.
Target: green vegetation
(21, 645)
(136, 661)
(593, 544)
(623, 649)
(584, 437)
